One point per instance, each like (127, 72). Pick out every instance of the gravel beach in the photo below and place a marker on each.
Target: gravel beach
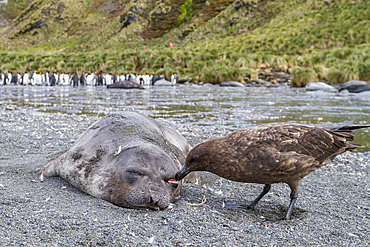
(333, 208)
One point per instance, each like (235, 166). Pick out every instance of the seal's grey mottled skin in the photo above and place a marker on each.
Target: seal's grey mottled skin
(126, 159)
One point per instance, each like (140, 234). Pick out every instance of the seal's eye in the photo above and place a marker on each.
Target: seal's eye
(135, 172)
(133, 175)
(173, 182)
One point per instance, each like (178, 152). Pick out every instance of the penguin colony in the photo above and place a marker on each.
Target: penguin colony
(38, 78)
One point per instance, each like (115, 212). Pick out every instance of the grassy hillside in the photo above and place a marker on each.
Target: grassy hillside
(217, 40)
(100, 24)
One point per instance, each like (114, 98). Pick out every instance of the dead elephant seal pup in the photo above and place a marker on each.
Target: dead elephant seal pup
(270, 153)
(129, 160)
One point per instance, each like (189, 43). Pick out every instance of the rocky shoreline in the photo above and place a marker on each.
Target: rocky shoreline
(332, 208)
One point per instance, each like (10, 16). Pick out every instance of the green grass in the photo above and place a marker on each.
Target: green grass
(302, 76)
(315, 40)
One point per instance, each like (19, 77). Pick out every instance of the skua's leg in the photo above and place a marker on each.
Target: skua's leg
(251, 206)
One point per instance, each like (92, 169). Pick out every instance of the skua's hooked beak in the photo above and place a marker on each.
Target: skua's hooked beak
(182, 173)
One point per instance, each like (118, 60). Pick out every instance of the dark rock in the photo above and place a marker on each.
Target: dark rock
(136, 10)
(126, 85)
(58, 18)
(280, 80)
(352, 86)
(46, 11)
(282, 75)
(262, 76)
(127, 20)
(61, 8)
(186, 33)
(26, 11)
(275, 70)
(362, 89)
(32, 26)
(264, 82)
(233, 22)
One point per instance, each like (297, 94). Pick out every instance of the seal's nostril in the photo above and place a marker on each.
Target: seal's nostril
(154, 200)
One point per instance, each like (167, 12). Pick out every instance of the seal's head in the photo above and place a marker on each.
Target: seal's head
(143, 178)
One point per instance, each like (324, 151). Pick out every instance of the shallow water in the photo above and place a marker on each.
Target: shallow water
(206, 111)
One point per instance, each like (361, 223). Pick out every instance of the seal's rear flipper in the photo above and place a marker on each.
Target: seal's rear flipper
(41, 177)
(49, 170)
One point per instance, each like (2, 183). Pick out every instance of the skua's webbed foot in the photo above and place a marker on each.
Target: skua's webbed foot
(251, 206)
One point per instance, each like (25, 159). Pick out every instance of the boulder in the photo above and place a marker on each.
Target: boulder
(231, 84)
(362, 89)
(282, 76)
(319, 86)
(162, 83)
(353, 86)
(208, 85)
(126, 85)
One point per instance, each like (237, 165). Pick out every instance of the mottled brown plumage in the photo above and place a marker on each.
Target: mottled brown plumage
(270, 153)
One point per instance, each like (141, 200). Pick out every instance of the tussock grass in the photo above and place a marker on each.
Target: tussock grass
(218, 73)
(343, 73)
(302, 76)
(364, 71)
